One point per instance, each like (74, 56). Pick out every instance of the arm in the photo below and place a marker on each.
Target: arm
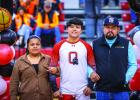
(39, 20)
(88, 90)
(14, 83)
(55, 21)
(54, 69)
(132, 63)
(90, 83)
(52, 78)
(91, 62)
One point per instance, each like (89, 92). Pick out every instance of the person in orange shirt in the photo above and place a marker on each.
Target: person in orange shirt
(30, 5)
(47, 22)
(22, 23)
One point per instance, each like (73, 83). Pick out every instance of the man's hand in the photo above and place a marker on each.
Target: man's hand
(94, 76)
(87, 91)
(53, 70)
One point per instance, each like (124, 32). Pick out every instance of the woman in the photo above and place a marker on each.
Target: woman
(30, 78)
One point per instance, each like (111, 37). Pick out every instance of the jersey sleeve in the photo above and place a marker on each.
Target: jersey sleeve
(90, 55)
(55, 54)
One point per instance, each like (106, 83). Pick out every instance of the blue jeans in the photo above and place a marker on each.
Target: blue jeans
(25, 31)
(55, 30)
(93, 25)
(112, 95)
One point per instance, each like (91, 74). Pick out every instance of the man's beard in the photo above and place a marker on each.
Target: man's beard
(110, 36)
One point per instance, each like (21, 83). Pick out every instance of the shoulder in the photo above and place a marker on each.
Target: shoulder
(97, 41)
(47, 56)
(59, 44)
(124, 39)
(85, 43)
(21, 57)
(20, 60)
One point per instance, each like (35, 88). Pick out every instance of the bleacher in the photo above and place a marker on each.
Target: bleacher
(122, 13)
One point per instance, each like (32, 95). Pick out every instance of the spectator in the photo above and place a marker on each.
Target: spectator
(22, 22)
(82, 3)
(115, 62)
(30, 5)
(93, 18)
(47, 24)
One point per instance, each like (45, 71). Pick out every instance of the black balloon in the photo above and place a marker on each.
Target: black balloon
(8, 37)
(6, 70)
(135, 5)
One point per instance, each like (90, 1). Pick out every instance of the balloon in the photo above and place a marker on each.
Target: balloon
(129, 27)
(135, 81)
(3, 86)
(136, 39)
(6, 70)
(124, 5)
(6, 95)
(6, 54)
(133, 31)
(8, 37)
(126, 17)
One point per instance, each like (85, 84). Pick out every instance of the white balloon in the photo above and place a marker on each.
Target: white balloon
(137, 52)
(3, 86)
(136, 38)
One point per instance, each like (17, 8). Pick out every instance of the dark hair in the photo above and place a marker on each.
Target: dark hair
(75, 21)
(31, 37)
(21, 8)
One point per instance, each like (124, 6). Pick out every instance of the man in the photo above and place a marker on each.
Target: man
(115, 62)
(74, 55)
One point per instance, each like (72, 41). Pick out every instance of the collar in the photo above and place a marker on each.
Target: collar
(104, 42)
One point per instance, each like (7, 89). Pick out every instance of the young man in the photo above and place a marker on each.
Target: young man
(74, 55)
(115, 62)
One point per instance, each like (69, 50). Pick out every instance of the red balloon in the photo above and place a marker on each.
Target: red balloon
(135, 81)
(126, 17)
(124, 5)
(6, 54)
(129, 27)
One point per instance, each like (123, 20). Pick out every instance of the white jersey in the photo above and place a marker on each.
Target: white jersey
(73, 59)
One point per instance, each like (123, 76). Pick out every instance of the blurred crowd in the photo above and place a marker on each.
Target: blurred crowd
(39, 17)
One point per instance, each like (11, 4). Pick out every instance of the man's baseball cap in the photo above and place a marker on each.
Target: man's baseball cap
(111, 20)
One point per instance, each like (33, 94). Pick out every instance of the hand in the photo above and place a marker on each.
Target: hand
(52, 70)
(46, 26)
(87, 91)
(56, 94)
(94, 76)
